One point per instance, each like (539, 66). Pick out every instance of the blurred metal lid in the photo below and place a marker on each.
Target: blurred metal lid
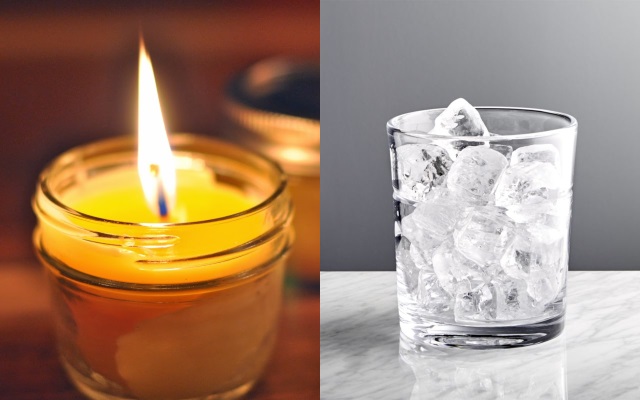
(276, 103)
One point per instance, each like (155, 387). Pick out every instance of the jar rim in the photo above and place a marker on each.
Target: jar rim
(393, 126)
(175, 139)
(94, 280)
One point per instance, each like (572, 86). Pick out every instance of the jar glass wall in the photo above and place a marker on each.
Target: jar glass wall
(174, 310)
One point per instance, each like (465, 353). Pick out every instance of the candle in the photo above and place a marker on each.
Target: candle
(165, 284)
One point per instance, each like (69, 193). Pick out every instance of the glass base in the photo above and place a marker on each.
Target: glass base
(481, 337)
(96, 389)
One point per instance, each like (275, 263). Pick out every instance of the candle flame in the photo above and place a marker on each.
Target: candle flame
(156, 166)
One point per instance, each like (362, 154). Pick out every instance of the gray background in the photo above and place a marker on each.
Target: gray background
(381, 59)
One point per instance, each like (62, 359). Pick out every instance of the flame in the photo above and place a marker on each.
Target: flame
(156, 166)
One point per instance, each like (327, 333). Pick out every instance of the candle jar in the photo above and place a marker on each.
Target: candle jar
(164, 310)
(273, 108)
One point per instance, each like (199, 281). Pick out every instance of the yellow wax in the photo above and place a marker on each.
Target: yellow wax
(133, 254)
(119, 197)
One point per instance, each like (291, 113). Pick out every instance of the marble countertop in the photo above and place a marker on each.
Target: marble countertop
(596, 357)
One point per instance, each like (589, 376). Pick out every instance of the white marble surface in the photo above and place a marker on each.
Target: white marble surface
(597, 356)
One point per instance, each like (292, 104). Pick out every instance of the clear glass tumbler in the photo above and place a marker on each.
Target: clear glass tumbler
(482, 227)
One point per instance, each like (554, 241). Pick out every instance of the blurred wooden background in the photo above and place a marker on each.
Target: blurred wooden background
(68, 75)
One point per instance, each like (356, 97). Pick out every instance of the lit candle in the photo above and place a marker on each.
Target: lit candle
(155, 162)
(166, 272)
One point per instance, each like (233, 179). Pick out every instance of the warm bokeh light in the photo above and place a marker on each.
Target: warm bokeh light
(294, 154)
(156, 166)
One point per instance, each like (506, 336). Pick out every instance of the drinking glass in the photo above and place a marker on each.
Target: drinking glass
(482, 227)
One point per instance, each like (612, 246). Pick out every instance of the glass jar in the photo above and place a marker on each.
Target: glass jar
(273, 108)
(482, 227)
(183, 310)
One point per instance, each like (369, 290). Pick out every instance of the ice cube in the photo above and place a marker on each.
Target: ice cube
(460, 119)
(527, 183)
(475, 173)
(504, 149)
(428, 226)
(454, 147)
(484, 235)
(439, 195)
(431, 222)
(421, 257)
(432, 296)
(558, 216)
(442, 266)
(475, 301)
(443, 196)
(512, 299)
(416, 234)
(530, 212)
(406, 268)
(543, 290)
(535, 252)
(420, 168)
(537, 152)
(451, 267)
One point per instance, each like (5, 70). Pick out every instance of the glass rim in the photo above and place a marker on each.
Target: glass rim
(392, 126)
(175, 139)
(96, 281)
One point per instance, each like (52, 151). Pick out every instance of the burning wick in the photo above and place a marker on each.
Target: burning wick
(162, 198)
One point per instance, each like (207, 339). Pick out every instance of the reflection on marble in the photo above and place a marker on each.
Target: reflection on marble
(535, 372)
(597, 356)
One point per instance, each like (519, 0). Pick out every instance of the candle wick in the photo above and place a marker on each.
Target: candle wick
(162, 202)
(163, 209)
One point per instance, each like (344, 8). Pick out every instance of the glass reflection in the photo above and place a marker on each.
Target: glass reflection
(534, 372)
